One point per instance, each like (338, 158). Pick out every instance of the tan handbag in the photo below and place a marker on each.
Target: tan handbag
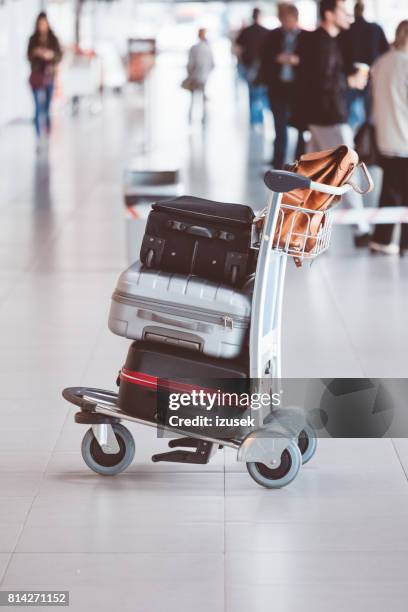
(296, 231)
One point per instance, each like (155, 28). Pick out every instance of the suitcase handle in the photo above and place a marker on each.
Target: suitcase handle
(198, 230)
(206, 232)
(202, 232)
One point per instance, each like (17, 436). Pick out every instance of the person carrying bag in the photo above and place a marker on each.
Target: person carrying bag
(44, 54)
(200, 64)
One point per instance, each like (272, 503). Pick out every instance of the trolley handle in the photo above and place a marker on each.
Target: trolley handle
(281, 181)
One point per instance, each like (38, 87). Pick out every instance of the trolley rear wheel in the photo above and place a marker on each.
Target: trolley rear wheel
(109, 464)
(281, 475)
(307, 443)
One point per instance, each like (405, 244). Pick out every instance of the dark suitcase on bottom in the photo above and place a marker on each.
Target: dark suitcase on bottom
(149, 363)
(191, 235)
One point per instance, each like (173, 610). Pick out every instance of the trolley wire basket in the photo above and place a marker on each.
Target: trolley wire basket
(302, 233)
(296, 231)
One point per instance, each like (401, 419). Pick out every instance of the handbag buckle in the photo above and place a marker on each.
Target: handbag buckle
(369, 180)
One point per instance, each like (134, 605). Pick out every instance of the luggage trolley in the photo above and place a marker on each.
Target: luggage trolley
(281, 440)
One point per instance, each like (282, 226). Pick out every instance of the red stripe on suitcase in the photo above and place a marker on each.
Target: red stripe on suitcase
(146, 380)
(138, 378)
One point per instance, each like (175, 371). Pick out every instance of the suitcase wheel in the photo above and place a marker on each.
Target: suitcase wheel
(104, 463)
(149, 261)
(281, 475)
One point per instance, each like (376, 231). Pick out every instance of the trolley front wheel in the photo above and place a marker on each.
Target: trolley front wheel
(281, 475)
(104, 463)
(307, 443)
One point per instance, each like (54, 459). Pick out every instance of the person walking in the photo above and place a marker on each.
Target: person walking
(249, 44)
(44, 54)
(278, 70)
(390, 115)
(362, 45)
(199, 67)
(322, 92)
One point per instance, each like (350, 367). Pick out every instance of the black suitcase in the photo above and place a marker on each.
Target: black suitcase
(152, 371)
(190, 235)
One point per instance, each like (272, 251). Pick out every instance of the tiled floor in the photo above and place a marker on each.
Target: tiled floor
(168, 537)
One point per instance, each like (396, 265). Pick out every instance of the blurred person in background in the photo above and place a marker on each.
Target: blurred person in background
(44, 54)
(278, 70)
(199, 67)
(390, 115)
(362, 44)
(248, 47)
(321, 101)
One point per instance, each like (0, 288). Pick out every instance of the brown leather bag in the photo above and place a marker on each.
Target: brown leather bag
(332, 167)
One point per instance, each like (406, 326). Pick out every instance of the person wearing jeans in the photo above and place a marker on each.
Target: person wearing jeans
(390, 114)
(44, 54)
(42, 101)
(249, 45)
(363, 43)
(322, 93)
(278, 71)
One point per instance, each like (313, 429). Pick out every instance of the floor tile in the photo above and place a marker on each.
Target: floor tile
(323, 482)
(142, 509)
(23, 460)
(401, 448)
(19, 484)
(264, 508)
(321, 597)
(79, 570)
(377, 535)
(169, 597)
(4, 560)
(298, 568)
(129, 485)
(14, 509)
(9, 535)
(103, 537)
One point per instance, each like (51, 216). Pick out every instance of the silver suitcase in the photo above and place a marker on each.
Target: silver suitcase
(186, 311)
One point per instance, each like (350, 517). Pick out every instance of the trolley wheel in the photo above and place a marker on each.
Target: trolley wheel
(149, 261)
(234, 274)
(307, 443)
(275, 478)
(104, 463)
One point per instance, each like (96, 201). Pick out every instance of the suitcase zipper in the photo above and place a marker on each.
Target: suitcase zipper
(190, 312)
